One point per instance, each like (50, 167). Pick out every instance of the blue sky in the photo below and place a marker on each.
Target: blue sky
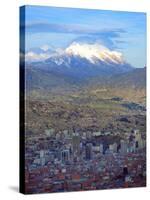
(59, 27)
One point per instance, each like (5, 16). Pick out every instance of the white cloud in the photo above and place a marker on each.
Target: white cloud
(45, 47)
(34, 57)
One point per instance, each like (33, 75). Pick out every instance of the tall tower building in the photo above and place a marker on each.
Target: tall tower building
(88, 151)
(139, 141)
(42, 157)
(124, 146)
(65, 155)
(76, 144)
(101, 148)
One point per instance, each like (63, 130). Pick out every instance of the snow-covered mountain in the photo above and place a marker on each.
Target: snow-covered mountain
(92, 52)
(95, 52)
(79, 60)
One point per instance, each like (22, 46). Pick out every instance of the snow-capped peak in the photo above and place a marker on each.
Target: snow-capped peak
(94, 52)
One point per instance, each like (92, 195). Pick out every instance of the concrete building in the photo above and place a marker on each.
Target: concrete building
(113, 148)
(98, 133)
(49, 132)
(42, 160)
(42, 157)
(65, 155)
(76, 144)
(123, 146)
(101, 148)
(88, 151)
(131, 147)
(139, 141)
(42, 153)
(65, 132)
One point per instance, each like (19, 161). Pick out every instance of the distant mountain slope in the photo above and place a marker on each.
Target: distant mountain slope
(133, 79)
(46, 80)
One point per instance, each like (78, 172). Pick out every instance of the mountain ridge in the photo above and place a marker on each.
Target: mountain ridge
(47, 80)
(81, 61)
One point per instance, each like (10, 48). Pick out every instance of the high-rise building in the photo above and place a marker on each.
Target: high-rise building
(42, 153)
(76, 144)
(42, 157)
(101, 148)
(42, 160)
(113, 148)
(131, 147)
(88, 151)
(65, 132)
(65, 155)
(125, 170)
(123, 146)
(138, 141)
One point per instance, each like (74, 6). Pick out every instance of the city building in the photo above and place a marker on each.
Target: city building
(65, 155)
(123, 147)
(88, 151)
(76, 144)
